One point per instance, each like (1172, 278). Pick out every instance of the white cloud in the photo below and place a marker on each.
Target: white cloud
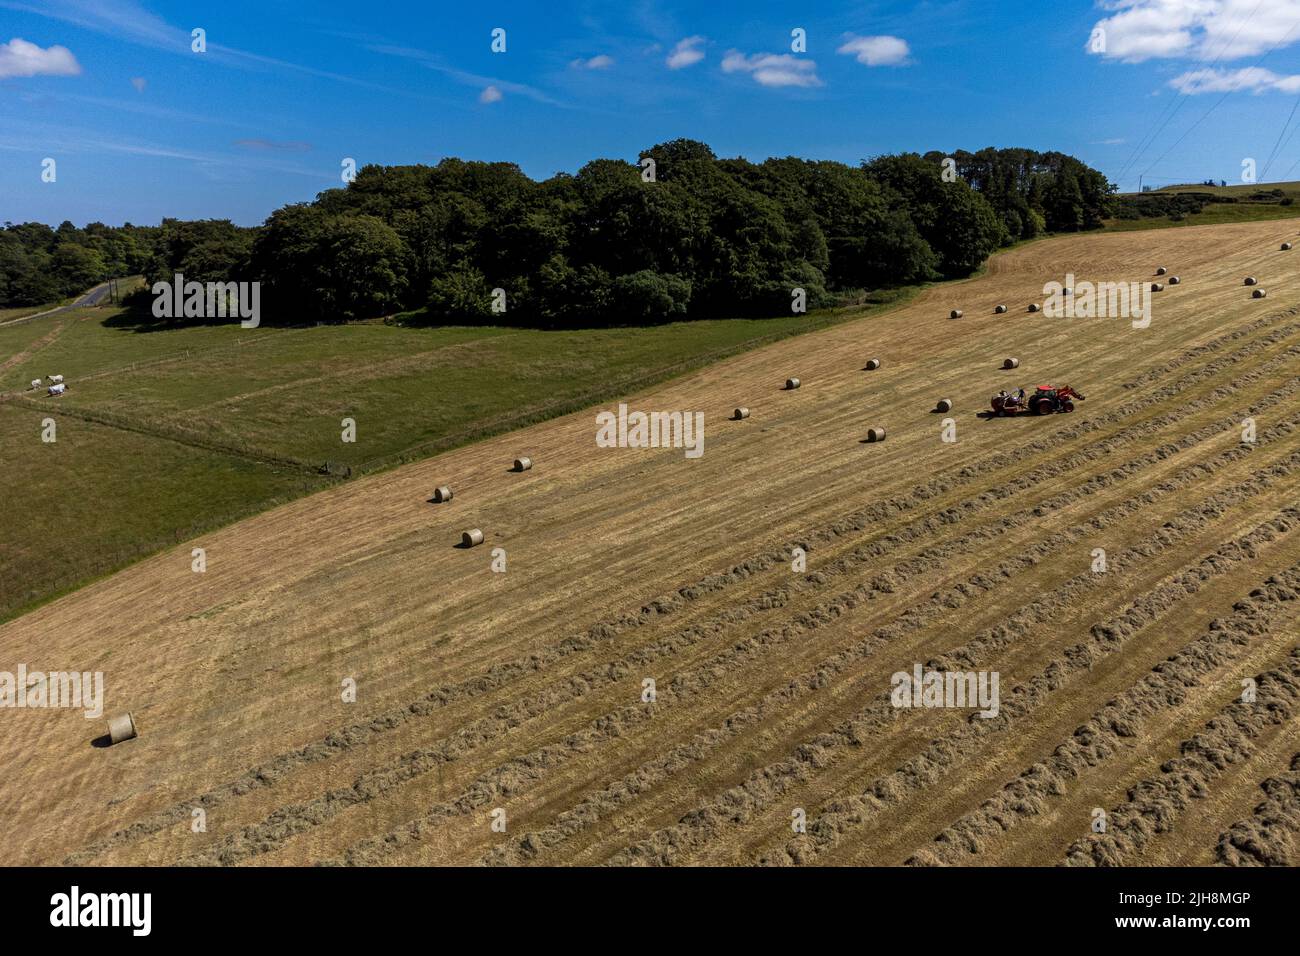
(1140, 30)
(490, 94)
(1251, 79)
(877, 51)
(773, 69)
(139, 82)
(602, 61)
(686, 53)
(20, 58)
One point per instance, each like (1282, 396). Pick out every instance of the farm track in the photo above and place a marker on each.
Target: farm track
(45, 340)
(522, 691)
(167, 432)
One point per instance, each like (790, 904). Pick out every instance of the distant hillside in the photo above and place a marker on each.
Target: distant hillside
(1198, 204)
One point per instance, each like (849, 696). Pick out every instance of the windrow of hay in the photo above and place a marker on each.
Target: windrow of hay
(1271, 835)
(1102, 736)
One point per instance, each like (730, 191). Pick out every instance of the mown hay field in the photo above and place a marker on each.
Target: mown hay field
(519, 696)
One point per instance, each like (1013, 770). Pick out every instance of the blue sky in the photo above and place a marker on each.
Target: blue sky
(142, 127)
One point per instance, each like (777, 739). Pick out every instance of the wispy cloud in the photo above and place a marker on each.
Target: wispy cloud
(877, 50)
(129, 21)
(434, 62)
(55, 141)
(20, 58)
(124, 19)
(686, 53)
(274, 145)
(1249, 80)
(773, 69)
(602, 61)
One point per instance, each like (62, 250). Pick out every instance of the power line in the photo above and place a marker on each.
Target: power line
(1183, 96)
(1278, 144)
(1219, 103)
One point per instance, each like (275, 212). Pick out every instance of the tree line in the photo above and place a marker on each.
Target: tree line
(39, 264)
(680, 235)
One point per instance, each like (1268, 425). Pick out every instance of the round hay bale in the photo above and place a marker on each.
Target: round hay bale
(1011, 363)
(469, 539)
(999, 310)
(441, 493)
(955, 314)
(791, 384)
(872, 365)
(120, 728)
(1033, 306)
(1157, 287)
(1161, 271)
(1251, 280)
(740, 414)
(523, 464)
(1286, 246)
(943, 405)
(1174, 280)
(875, 434)
(1258, 294)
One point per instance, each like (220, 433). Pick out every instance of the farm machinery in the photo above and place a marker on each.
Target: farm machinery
(1045, 400)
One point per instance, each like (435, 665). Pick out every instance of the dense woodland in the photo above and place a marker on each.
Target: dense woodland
(707, 238)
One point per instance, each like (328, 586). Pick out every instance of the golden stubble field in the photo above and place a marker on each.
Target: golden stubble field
(521, 691)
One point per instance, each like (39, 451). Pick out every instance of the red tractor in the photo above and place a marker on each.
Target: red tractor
(1045, 400)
